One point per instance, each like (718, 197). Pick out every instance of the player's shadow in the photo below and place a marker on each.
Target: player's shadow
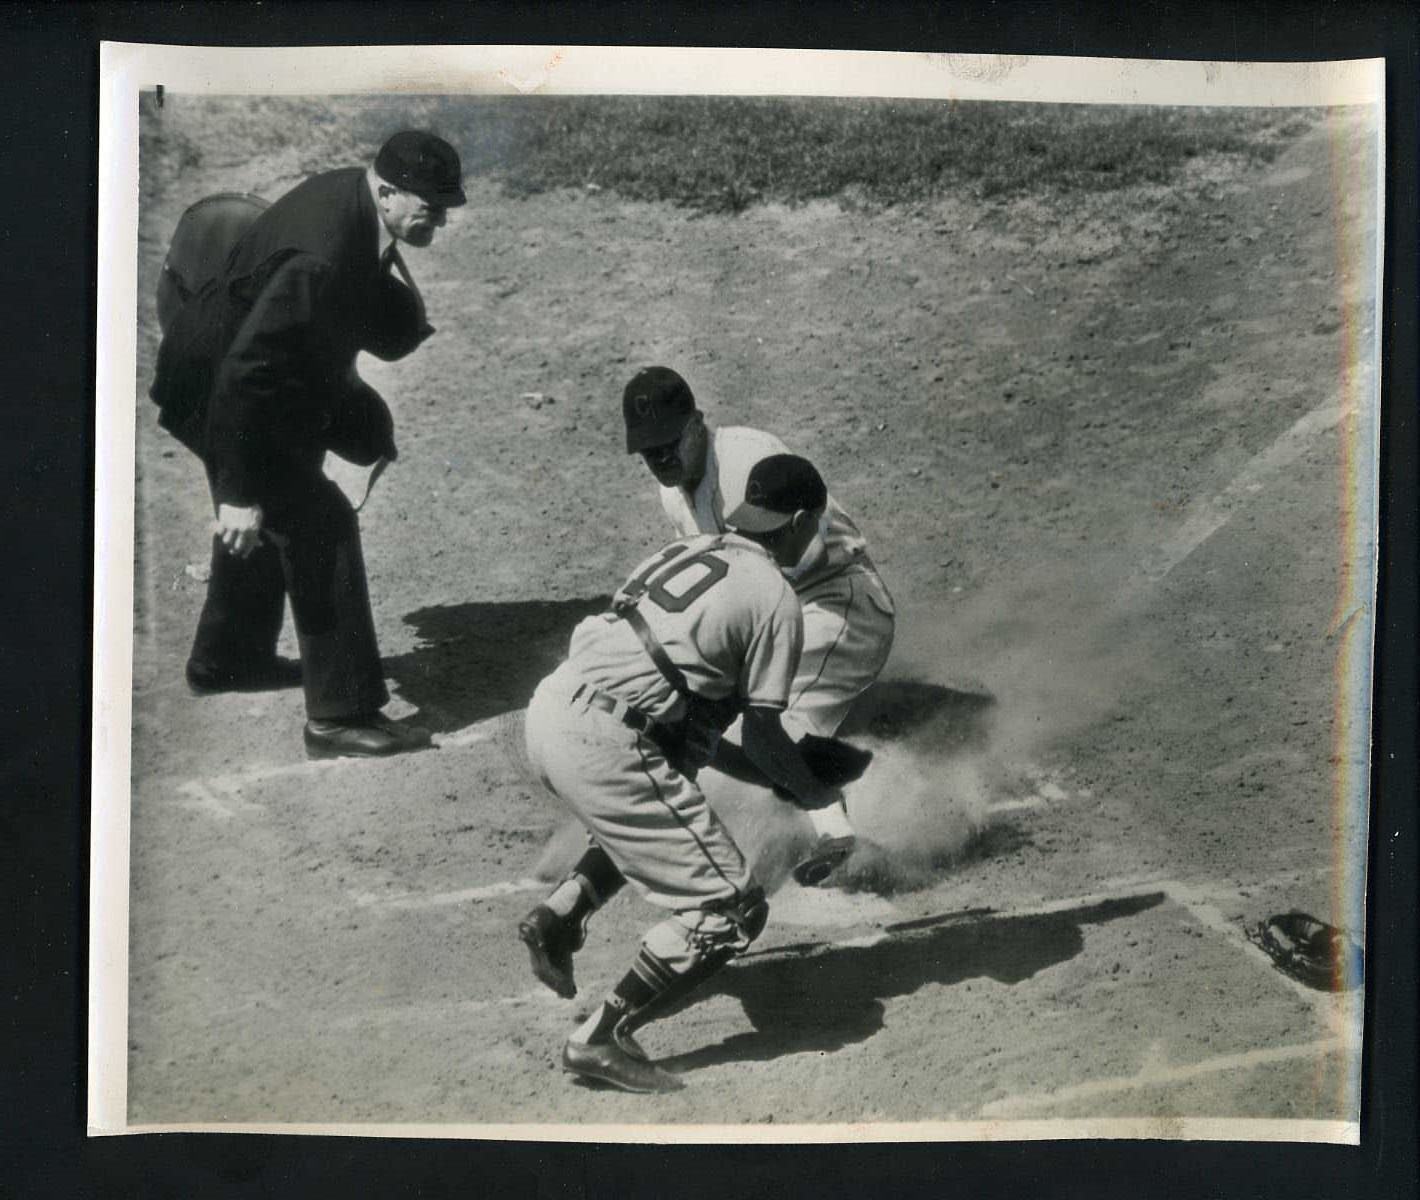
(801, 998)
(475, 661)
(891, 709)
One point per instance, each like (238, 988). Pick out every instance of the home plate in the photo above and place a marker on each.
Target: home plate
(827, 908)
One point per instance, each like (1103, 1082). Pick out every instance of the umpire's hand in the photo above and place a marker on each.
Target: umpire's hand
(238, 528)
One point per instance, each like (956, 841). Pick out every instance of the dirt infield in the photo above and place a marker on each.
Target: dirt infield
(1097, 447)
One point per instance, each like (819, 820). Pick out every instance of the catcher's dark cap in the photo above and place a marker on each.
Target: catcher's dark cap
(423, 164)
(777, 488)
(656, 405)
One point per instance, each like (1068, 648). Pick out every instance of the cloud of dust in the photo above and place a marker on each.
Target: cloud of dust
(1027, 668)
(912, 815)
(1057, 649)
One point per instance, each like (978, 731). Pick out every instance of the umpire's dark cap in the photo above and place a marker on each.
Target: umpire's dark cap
(423, 164)
(656, 406)
(777, 488)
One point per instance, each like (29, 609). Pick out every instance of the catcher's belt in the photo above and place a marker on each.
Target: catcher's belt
(632, 718)
(682, 750)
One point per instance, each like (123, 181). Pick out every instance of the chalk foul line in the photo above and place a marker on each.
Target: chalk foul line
(1209, 514)
(416, 900)
(1154, 1074)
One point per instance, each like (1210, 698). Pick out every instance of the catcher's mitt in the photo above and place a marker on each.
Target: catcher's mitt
(834, 761)
(1310, 951)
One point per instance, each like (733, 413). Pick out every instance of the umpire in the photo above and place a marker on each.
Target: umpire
(256, 374)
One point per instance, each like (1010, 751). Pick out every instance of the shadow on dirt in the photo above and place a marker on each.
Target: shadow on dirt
(894, 708)
(479, 660)
(800, 1001)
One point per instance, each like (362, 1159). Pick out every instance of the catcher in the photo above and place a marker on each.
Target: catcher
(705, 630)
(848, 612)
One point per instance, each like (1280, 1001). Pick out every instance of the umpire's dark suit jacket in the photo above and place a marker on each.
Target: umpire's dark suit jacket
(257, 372)
(257, 375)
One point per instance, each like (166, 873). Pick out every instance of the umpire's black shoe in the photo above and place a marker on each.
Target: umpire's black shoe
(268, 676)
(551, 941)
(611, 1064)
(370, 736)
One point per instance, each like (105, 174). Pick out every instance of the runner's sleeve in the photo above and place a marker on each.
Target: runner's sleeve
(679, 511)
(737, 449)
(772, 658)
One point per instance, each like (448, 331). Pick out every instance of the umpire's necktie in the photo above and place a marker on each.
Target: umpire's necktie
(392, 259)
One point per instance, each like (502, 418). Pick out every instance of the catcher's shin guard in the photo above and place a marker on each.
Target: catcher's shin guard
(655, 983)
(599, 875)
(666, 985)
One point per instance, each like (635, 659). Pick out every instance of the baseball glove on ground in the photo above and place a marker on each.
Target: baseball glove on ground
(1310, 951)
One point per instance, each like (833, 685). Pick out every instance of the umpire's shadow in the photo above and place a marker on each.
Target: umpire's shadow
(800, 1001)
(475, 661)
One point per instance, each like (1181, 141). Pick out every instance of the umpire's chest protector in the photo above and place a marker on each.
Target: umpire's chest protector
(329, 219)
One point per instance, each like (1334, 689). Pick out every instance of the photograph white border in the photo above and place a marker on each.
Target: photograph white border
(128, 69)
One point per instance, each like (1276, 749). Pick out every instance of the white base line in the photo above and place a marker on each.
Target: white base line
(473, 735)
(1028, 804)
(1157, 1076)
(237, 780)
(202, 795)
(440, 1012)
(1206, 516)
(199, 797)
(1211, 917)
(438, 899)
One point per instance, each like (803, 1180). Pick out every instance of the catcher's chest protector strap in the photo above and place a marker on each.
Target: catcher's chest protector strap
(704, 720)
(626, 610)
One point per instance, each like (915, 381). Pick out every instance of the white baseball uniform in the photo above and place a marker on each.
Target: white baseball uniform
(849, 615)
(724, 614)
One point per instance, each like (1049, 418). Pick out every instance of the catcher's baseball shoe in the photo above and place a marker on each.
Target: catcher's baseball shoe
(623, 1038)
(608, 1062)
(823, 860)
(551, 942)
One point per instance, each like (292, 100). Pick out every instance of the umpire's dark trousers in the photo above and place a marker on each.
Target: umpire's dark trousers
(310, 551)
